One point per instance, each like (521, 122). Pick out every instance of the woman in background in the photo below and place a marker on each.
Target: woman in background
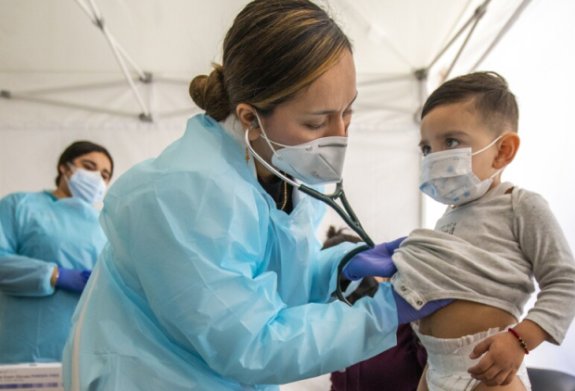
(49, 243)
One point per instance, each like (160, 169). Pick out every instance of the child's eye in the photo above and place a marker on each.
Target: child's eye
(425, 150)
(452, 143)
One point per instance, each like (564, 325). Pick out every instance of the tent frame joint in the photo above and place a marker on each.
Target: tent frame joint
(146, 117)
(147, 77)
(421, 74)
(99, 22)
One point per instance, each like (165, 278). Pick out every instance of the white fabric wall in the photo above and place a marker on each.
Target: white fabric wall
(28, 158)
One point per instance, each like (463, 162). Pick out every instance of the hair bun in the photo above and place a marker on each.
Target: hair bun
(209, 93)
(198, 89)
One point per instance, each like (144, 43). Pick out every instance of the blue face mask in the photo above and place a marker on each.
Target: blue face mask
(87, 186)
(447, 176)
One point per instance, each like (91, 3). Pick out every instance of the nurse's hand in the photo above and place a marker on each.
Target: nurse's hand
(375, 261)
(407, 314)
(72, 280)
(502, 357)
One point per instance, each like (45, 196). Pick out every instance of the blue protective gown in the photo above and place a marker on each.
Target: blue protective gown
(206, 285)
(37, 233)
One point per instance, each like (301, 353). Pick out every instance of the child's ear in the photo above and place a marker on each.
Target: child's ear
(508, 147)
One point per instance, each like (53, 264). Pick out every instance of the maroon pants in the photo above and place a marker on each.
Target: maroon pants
(396, 369)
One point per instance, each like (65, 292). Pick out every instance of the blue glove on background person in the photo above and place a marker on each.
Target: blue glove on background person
(375, 261)
(72, 280)
(407, 314)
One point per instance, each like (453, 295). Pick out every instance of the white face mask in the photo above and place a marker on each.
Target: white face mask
(316, 162)
(447, 176)
(87, 185)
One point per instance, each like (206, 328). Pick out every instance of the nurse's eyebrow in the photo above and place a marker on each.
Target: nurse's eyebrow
(330, 111)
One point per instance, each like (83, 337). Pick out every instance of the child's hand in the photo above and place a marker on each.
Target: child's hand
(502, 357)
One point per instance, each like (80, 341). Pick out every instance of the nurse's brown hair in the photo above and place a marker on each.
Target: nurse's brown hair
(273, 50)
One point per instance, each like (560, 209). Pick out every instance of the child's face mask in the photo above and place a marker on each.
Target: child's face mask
(447, 176)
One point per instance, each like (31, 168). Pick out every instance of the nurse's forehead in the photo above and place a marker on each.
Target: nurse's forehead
(318, 100)
(323, 109)
(335, 90)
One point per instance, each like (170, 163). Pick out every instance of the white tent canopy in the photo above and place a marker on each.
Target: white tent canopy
(61, 80)
(64, 65)
(96, 47)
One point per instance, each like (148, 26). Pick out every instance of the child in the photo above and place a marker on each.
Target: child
(485, 250)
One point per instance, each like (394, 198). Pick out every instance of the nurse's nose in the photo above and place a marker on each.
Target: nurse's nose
(338, 127)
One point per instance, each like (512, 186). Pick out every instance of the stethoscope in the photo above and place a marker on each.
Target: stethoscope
(345, 211)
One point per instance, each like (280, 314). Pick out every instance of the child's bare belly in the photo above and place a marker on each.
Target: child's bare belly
(462, 318)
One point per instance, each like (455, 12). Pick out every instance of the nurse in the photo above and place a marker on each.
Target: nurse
(49, 243)
(212, 278)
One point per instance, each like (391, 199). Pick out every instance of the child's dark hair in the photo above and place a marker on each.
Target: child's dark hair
(491, 95)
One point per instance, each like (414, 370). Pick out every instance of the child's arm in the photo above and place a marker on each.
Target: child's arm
(542, 242)
(503, 353)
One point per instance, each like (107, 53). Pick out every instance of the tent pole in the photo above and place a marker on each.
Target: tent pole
(93, 14)
(69, 88)
(479, 11)
(12, 96)
(510, 22)
(145, 110)
(144, 76)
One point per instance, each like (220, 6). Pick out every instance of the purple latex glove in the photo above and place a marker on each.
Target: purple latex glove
(373, 262)
(406, 313)
(72, 280)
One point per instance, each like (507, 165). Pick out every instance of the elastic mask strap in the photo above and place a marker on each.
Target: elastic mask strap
(72, 168)
(496, 173)
(487, 146)
(265, 136)
(266, 164)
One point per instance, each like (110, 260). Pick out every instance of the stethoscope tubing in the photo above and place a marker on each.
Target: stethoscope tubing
(346, 213)
(350, 218)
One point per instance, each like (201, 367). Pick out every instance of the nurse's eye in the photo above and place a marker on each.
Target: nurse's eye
(425, 150)
(315, 126)
(452, 143)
